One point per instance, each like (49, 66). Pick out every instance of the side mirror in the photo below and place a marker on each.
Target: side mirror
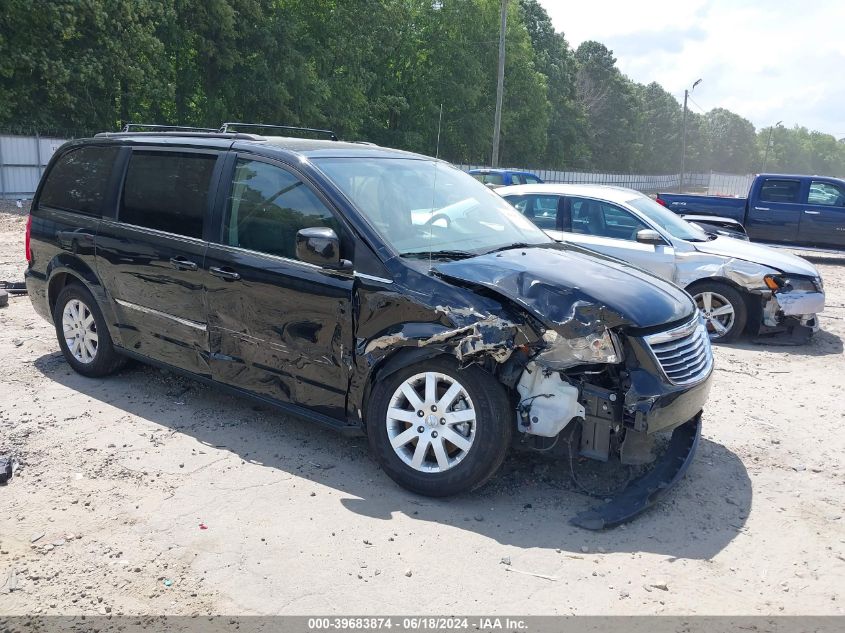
(319, 245)
(649, 236)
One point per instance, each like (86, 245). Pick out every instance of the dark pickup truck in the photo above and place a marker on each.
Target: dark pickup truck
(800, 210)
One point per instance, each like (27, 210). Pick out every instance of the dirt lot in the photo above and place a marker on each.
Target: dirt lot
(147, 493)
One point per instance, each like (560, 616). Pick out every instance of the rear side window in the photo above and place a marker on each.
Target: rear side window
(490, 179)
(79, 179)
(167, 191)
(773, 190)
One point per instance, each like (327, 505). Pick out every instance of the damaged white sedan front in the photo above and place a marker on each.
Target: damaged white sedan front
(736, 284)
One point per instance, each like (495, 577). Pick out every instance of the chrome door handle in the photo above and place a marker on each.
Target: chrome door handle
(762, 209)
(224, 273)
(180, 263)
(812, 212)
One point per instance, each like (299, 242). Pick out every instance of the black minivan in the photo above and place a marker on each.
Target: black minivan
(369, 289)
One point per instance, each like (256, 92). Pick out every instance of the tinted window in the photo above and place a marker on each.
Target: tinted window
(167, 191)
(780, 190)
(267, 206)
(826, 193)
(79, 179)
(594, 217)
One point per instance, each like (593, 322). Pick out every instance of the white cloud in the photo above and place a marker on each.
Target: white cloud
(767, 60)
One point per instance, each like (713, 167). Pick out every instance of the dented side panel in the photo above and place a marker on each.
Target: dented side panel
(695, 266)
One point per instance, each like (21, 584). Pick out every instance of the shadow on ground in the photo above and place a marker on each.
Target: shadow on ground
(822, 343)
(528, 504)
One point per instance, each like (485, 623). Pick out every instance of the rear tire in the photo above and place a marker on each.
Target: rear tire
(459, 441)
(83, 334)
(723, 308)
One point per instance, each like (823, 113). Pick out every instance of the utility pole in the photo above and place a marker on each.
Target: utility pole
(500, 86)
(768, 145)
(684, 138)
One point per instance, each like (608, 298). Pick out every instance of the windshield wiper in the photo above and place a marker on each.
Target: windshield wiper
(507, 247)
(441, 254)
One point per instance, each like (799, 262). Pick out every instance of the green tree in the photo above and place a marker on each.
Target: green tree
(607, 97)
(566, 146)
(659, 128)
(732, 141)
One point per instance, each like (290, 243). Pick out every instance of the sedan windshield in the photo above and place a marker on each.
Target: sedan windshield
(673, 224)
(427, 206)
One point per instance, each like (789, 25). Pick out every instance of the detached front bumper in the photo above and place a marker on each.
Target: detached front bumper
(643, 492)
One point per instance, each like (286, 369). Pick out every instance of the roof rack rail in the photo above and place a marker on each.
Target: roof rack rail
(128, 127)
(225, 128)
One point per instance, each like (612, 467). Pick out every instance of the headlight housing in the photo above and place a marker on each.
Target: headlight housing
(782, 283)
(598, 347)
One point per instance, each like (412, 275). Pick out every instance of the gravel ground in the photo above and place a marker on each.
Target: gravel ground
(146, 493)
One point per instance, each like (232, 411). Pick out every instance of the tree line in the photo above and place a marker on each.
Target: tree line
(376, 70)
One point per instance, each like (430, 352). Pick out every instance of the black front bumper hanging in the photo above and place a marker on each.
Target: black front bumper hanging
(643, 492)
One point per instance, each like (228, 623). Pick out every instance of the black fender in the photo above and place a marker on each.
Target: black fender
(404, 346)
(66, 268)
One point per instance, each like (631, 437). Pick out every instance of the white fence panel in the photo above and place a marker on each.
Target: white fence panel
(22, 161)
(729, 185)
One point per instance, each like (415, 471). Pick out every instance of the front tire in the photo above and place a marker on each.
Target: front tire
(83, 335)
(437, 429)
(723, 309)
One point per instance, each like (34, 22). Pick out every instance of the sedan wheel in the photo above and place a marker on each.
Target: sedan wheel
(431, 422)
(722, 307)
(80, 331)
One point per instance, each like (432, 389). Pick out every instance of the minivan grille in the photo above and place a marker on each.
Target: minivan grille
(683, 353)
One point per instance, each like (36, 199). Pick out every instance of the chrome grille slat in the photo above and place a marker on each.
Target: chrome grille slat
(683, 353)
(693, 348)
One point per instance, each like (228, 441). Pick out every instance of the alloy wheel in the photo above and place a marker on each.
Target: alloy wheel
(80, 331)
(431, 422)
(719, 314)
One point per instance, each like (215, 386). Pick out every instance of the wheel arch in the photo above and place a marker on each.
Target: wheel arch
(64, 270)
(752, 301)
(389, 365)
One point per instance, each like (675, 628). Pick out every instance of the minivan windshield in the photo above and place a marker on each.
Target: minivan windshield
(424, 206)
(674, 225)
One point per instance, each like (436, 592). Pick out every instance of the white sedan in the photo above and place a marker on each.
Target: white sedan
(735, 283)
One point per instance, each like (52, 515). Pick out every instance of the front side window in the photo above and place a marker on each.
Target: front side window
(79, 179)
(266, 208)
(826, 193)
(775, 190)
(167, 191)
(602, 219)
(420, 206)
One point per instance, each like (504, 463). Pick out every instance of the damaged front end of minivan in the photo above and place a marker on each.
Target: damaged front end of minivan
(596, 374)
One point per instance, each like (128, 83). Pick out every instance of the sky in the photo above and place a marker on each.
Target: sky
(766, 60)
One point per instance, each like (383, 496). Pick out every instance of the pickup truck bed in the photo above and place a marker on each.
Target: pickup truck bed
(798, 210)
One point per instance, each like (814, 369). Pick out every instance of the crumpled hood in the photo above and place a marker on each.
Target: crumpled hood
(573, 290)
(758, 254)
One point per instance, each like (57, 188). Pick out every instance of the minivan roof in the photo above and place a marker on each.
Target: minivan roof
(308, 147)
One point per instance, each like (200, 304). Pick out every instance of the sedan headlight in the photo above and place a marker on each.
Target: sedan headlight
(598, 347)
(782, 283)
